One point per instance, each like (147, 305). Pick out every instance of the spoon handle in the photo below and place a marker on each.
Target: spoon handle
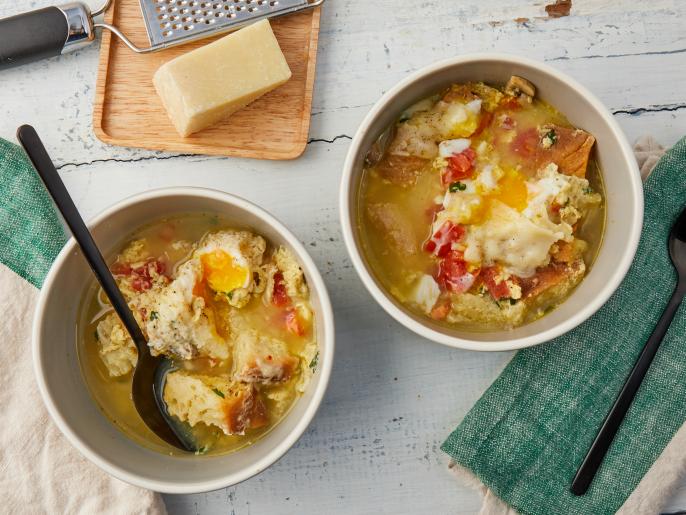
(46, 170)
(603, 440)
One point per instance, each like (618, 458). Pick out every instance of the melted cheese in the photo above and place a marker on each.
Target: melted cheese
(510, 239)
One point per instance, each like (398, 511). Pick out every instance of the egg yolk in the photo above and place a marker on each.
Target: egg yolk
(512, 191)
(222, 273)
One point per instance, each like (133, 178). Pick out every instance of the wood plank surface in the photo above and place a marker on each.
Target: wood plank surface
(373, 447)
(128, 112)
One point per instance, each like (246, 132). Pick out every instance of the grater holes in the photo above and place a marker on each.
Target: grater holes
(167, 33)
(273, 3)
(188, 27)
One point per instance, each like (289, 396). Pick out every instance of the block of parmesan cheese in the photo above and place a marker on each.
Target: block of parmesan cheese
(206, 85)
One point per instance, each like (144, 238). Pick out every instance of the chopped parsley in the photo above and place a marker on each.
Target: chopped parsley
(154, 315)
(229, 294)
(202, 450)
(457, 186)
(218, 392)
(551, 135)
(588, 190)
(315, 361)
(513, 302)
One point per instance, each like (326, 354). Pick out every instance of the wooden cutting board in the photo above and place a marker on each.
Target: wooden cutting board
(128, 112)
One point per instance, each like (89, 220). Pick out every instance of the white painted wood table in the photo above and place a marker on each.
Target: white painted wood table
(393, 397)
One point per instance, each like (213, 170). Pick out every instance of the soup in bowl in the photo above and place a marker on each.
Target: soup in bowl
(478, 201)
(230, 310)
(224, 290)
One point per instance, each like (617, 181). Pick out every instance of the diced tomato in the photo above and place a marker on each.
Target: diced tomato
(460, 166)
(484, 122)
(141, 283)
(525, 143)
(293, 323)
(280, 297)
(510, 102)
(141, 276)
(440, 310)
(121, 269)
(507, 123)
(146, 269)
(453, 274)
(441, 242)
(496, 286)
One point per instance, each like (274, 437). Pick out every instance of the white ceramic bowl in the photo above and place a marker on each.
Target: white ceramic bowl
(66, 394)
(623, 189)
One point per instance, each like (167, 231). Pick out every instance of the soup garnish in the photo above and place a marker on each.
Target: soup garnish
(231, 311)
(482, 207)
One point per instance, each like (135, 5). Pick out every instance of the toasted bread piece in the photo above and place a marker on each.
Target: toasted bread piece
(401, 170)
(569, 149)
(293, 275)
(468, 308)
(115, 346)
(396, 227)
(232, 406)
(261, 359)
(559, 276)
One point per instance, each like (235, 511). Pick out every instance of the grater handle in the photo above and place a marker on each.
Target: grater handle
(44, 33)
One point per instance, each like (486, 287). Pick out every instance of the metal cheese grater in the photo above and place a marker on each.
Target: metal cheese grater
(57, 30)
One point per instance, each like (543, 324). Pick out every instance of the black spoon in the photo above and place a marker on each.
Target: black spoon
(602, 442)
(150, 371)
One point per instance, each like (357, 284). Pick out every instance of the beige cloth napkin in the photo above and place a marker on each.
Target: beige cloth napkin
(669, 469)
(40, 471)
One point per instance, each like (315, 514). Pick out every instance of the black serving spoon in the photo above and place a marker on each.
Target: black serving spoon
(150, 371)
(602, 442)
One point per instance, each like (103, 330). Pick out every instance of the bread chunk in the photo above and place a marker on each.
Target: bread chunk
(293, 275)
(568, 148)
(401, 170)
(391, 222)
(115, 346)
(261, 359)
(231, 406)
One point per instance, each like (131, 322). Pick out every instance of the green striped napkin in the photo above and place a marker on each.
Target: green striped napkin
(31, 234)
(528, 434)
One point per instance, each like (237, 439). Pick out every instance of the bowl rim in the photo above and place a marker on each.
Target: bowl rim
(326, 364)
(346, 207)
